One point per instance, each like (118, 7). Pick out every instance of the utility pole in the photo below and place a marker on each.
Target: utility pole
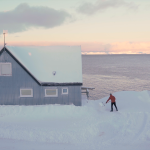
(5, 32)
(4, 39)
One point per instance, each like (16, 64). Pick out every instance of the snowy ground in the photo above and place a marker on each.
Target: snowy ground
(89, 127)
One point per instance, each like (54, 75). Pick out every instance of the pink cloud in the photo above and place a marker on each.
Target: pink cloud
(131, 47)
(97, 47)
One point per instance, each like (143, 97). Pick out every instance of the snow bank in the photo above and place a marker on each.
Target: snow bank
(87, 127)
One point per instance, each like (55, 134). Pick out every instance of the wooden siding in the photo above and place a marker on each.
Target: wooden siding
(10, 88)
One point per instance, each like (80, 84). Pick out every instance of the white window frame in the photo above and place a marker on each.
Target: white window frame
(52, 95)
(1, 69)
(26, 95)
(65, 88)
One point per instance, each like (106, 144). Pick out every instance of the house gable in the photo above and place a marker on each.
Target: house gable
(11, 55)
(20, 79)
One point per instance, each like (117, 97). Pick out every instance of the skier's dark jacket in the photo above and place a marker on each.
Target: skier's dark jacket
(112, 98)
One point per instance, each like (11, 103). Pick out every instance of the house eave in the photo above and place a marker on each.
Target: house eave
(60, 84)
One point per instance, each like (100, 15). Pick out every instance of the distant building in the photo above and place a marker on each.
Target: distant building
(40, 75)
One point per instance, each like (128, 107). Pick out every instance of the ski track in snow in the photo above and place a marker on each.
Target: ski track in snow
(141, 126)
(88, 127)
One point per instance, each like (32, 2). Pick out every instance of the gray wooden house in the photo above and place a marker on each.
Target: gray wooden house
(40, 75)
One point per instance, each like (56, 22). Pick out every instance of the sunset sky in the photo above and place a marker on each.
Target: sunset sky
(99, 26)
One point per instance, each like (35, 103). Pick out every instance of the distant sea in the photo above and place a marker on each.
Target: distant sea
(113, 73)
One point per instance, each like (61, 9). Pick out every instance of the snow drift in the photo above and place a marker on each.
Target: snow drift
(85, 127)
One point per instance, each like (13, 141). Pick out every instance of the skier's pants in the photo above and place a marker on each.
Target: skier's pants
(114, 103)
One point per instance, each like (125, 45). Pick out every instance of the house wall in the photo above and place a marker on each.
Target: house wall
(10, 88)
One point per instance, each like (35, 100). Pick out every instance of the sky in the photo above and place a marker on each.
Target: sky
(99, 26)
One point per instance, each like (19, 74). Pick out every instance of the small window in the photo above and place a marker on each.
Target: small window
(5, 69)
(26, 92)
(51, 92)
(64, 90)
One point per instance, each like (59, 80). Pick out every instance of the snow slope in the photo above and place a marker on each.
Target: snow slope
(69, 127)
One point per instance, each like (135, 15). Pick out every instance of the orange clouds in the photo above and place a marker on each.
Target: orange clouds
(131, 47)
(98, 47)
(117, 48)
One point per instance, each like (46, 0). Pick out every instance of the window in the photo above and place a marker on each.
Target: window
(5, 69)
(64, 90)
(51, 92)
(26, 92)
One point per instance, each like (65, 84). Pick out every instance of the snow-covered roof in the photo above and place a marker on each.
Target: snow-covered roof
(51, 64)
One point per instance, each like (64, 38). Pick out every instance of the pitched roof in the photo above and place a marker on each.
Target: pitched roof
(51, 65)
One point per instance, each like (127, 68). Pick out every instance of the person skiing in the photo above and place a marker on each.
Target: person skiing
(113, 102)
